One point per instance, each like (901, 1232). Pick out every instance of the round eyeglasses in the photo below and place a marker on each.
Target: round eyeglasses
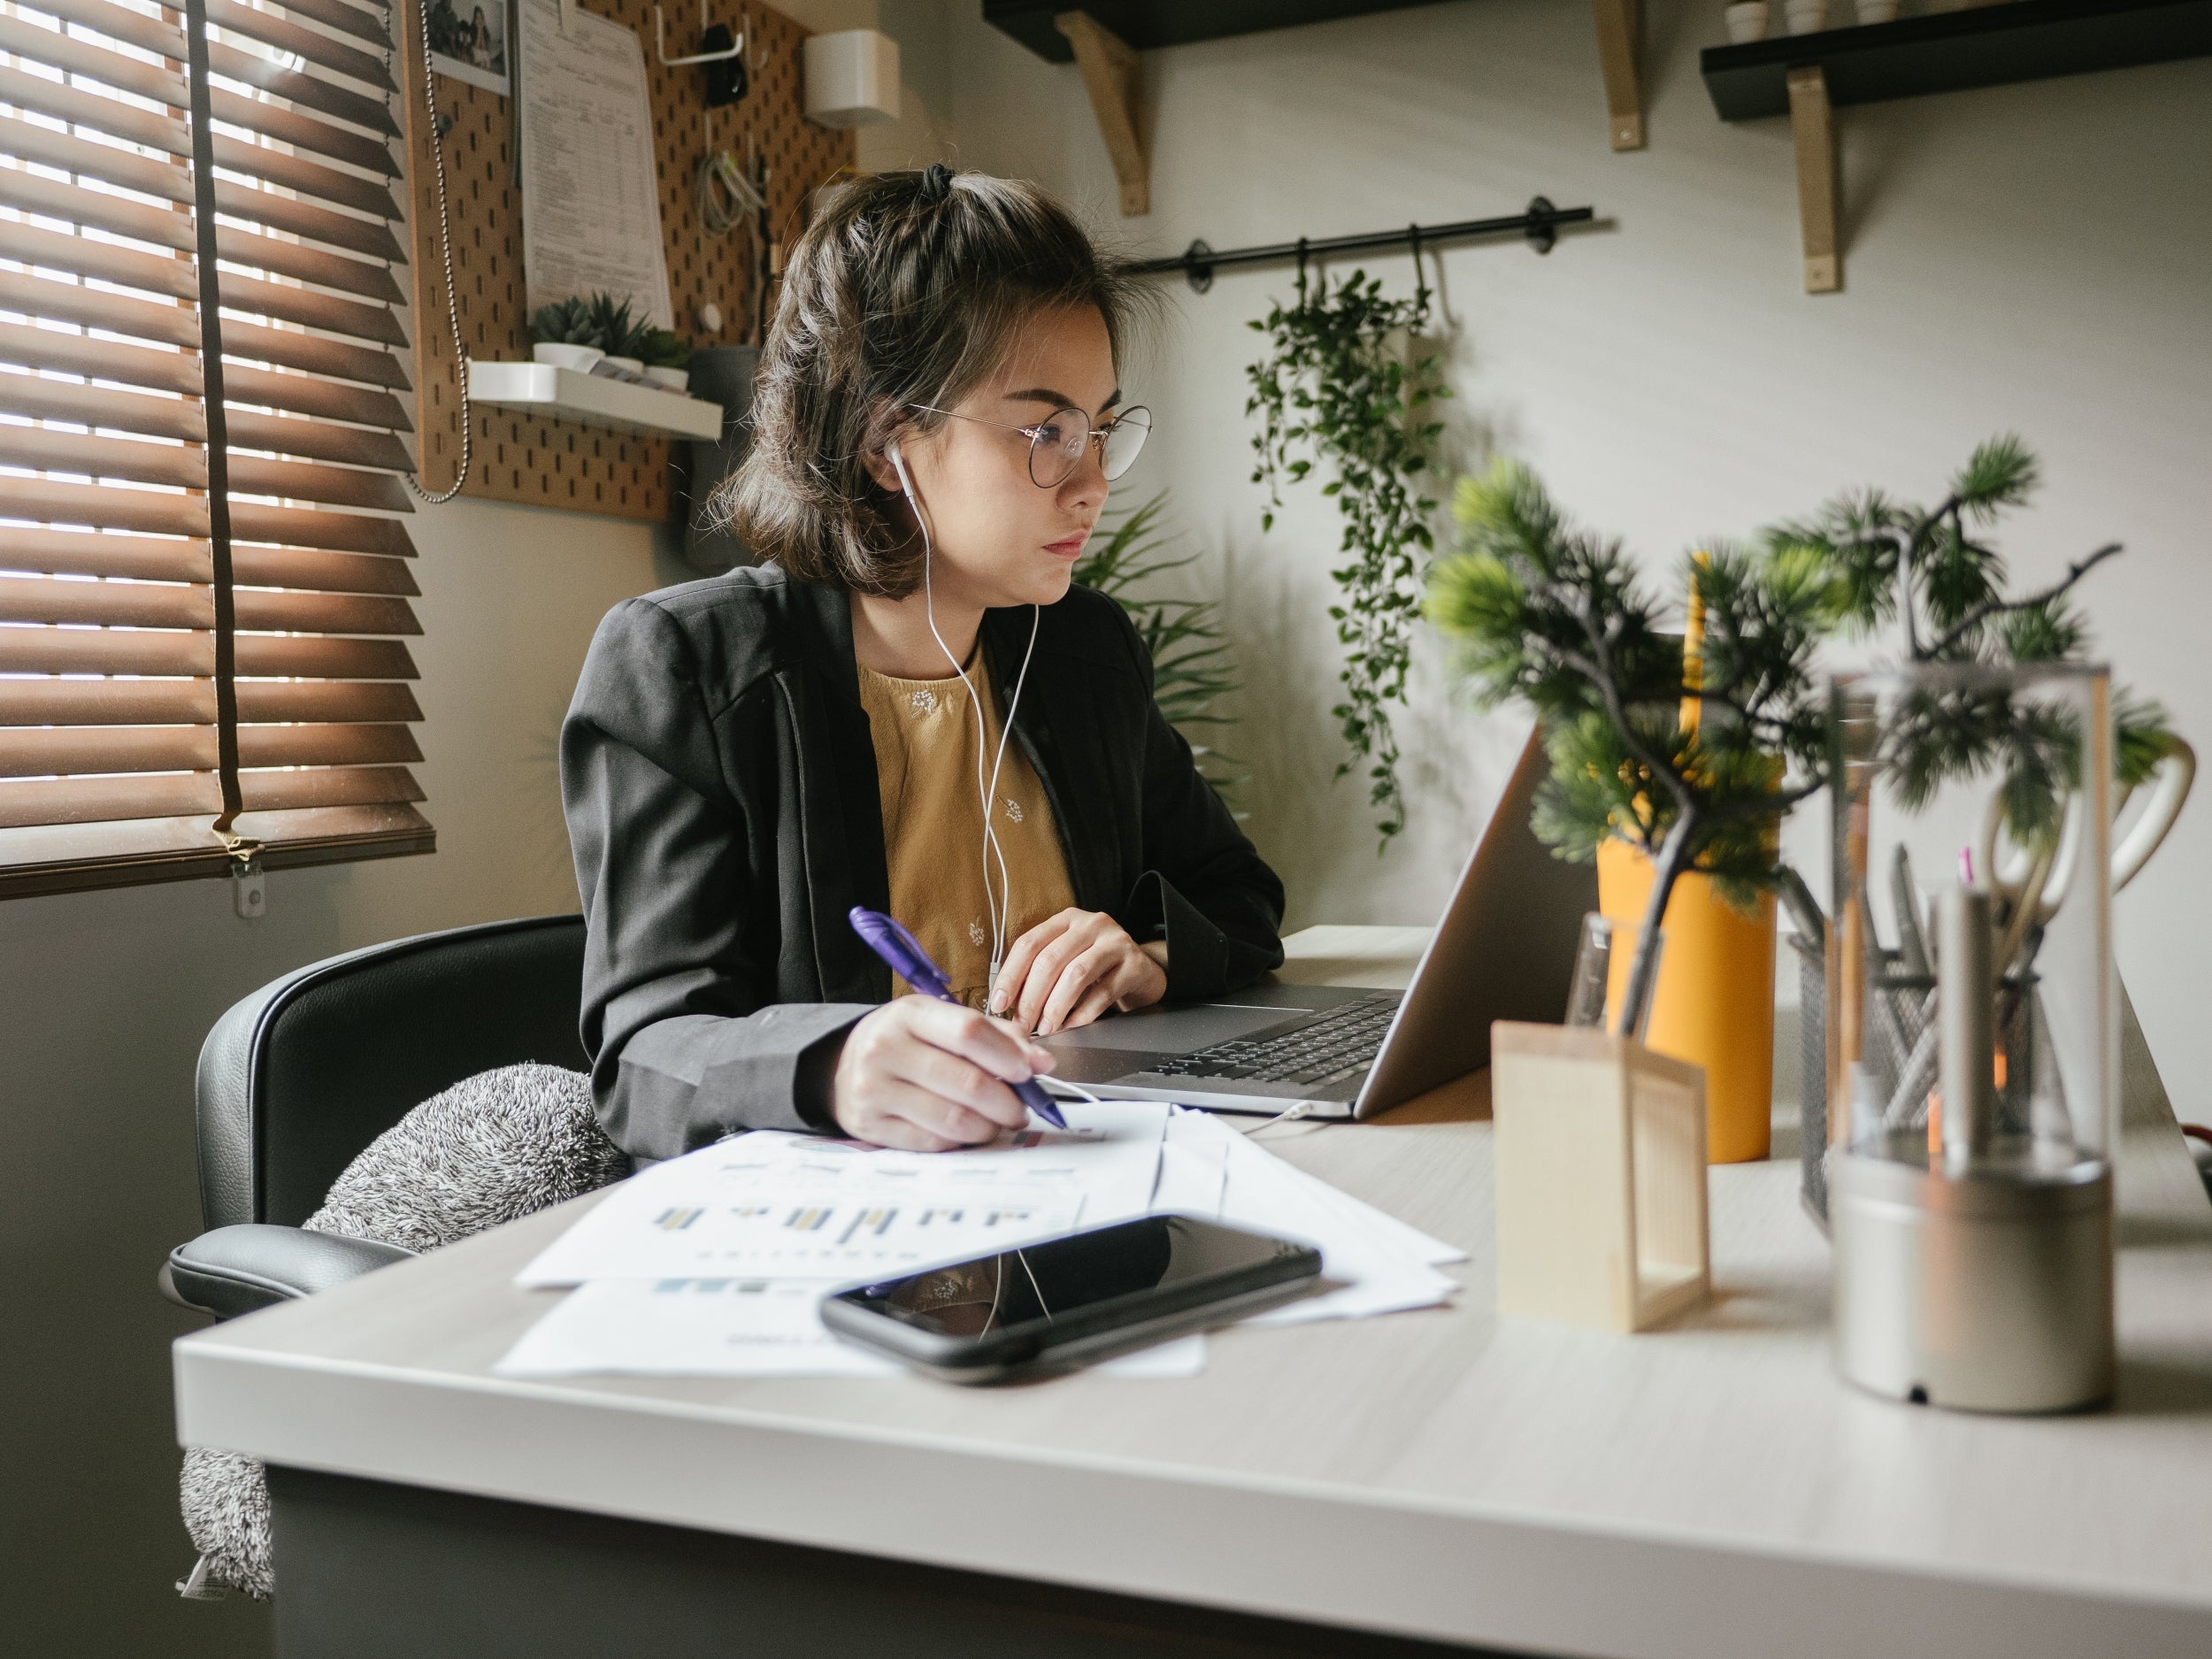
(1056, 442)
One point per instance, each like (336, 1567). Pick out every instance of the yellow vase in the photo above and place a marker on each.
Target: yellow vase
(1714, 1006)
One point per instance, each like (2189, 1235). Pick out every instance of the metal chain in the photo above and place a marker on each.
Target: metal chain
(445, 251)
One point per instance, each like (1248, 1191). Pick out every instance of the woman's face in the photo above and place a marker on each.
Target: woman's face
(1000, 539)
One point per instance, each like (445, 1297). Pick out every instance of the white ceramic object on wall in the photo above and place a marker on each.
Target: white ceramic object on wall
(566, 356)
(674, 380)
(852, 78)
(1877, 10)
(1747, 21)
(1807, 17)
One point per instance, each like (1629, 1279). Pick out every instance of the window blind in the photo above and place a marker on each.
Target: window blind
(204, 576)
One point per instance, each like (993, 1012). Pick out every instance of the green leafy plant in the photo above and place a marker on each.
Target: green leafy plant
(660, 348)
(1556, 617)
(1335, 387)
(563, 322)
(1191, 671)
(1933, 574)
(1695, 763)
(615, 330)
(604, 320)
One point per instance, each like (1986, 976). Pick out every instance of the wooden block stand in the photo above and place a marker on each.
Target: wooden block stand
(1600, 1178)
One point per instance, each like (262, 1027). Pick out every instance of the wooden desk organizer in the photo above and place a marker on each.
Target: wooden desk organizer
(1600, 1178)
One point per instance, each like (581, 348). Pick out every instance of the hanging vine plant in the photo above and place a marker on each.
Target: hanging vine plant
(1336, 388)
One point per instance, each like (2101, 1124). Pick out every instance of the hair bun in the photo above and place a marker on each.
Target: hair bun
(936, 183)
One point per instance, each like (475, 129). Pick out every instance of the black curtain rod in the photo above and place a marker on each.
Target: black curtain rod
(1539, 224)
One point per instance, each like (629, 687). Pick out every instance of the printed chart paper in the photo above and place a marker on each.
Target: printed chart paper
(772, 1205)
(591, 217)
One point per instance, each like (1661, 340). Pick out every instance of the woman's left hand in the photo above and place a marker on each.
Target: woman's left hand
(1069, 969)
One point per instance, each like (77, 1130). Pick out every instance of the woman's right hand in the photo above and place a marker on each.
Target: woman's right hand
(926, 1076)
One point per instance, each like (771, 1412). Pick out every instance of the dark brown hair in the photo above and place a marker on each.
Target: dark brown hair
(907, 288)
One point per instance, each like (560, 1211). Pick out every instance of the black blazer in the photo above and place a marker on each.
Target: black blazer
(720, 787)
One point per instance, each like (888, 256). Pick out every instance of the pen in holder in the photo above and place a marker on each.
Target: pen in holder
(1972, 1080)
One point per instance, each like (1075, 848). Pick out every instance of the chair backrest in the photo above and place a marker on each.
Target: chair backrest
(294, 1079)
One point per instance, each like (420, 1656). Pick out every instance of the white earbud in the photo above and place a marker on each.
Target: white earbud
(999, 903)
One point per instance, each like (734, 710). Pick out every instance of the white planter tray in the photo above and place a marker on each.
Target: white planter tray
(594, 399)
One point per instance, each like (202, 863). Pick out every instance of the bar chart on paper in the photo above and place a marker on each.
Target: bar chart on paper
(818, 1235)
(771, 1205)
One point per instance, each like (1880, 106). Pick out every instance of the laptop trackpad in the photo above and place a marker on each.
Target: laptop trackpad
(1175, 1030)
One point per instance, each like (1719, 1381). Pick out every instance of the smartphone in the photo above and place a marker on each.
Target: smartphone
(1067, 1302)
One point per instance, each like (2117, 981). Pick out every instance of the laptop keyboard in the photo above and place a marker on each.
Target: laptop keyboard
(1336, 1046)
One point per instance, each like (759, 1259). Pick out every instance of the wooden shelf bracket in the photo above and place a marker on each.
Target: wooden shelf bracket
(1620, 29)
(1109, 68)
(1813, 127)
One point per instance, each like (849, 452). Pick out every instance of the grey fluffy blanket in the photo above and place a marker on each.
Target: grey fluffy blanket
(494, 1147)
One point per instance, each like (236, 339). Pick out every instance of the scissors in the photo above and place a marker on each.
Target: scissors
(2031, 887)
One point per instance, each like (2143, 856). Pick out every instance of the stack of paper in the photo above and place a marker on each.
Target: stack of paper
(713, 1265)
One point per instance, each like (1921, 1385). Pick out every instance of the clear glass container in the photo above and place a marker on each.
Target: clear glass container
(1964, 789)
(1972, 1019)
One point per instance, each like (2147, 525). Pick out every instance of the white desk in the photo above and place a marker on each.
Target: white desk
(1704, 1491)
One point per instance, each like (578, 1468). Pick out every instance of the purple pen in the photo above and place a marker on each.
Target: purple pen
(903, 952)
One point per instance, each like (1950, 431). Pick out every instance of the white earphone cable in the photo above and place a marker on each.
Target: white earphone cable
(998, 904)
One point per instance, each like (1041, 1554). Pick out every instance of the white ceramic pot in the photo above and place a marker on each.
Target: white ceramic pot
(1807, 17)
(563, 356)
(674, 380)
(1747, 21)
(1877, 10)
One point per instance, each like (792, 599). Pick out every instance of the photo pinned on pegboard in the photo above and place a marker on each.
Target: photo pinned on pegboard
(468, 41)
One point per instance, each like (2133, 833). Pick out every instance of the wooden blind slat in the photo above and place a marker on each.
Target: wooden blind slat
(165, 227)
(75, 553)
(179, 467)
(172, 180)
(48, 501)
(41, 751)
(163, 605)
(184, 654)
(173, 325)
(80, 800)
(72, 858)
(177, 372)
(137, 126)
(362, 23)
(287, 36)
(192, 701)
(44, 399)
(169, 795)
(155, 274)
(165, 86)
(166, 39)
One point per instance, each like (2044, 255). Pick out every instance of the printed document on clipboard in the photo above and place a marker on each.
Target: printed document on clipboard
(591, 217)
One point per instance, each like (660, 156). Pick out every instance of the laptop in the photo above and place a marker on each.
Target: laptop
(1504, 949)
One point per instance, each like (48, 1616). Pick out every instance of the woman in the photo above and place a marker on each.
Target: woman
(936, 413)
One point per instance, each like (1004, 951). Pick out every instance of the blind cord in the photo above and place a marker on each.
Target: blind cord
(445, 255)
(214, 411)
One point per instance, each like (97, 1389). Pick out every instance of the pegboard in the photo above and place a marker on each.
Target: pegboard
(563, 464)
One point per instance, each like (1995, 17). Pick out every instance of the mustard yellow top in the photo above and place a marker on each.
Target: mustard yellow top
(924, 738)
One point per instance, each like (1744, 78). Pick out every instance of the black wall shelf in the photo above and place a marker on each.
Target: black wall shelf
(1950, 51)
(1145, 24)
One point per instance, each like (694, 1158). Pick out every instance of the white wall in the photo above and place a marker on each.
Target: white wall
(106, 997)
(2030, 257)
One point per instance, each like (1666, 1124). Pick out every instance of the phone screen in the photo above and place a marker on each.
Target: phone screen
(1034, 1287)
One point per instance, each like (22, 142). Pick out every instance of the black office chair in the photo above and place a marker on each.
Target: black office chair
(297, 1078)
